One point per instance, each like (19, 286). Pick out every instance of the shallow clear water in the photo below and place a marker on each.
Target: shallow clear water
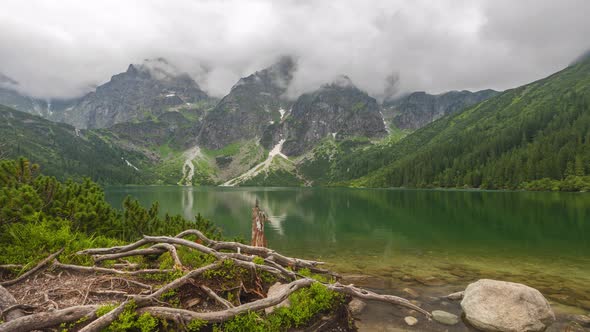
(433, 237)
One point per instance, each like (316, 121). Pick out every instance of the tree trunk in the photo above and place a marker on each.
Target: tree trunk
(258, 220)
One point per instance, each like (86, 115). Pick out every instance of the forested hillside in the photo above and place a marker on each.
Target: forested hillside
(533, 137)
(67, 153)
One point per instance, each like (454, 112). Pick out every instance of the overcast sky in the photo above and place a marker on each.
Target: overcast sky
(65, 48)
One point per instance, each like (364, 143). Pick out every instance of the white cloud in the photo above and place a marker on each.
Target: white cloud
(63, 48)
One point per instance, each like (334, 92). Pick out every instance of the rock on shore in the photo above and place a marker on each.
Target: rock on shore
(492, 305)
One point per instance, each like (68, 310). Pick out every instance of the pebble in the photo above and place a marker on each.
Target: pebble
(411, 320)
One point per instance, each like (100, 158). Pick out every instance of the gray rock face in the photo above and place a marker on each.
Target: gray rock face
(444, 317)
(338, 110)
(143, 90)
(252, 105)
(418, 109)
(492, 305)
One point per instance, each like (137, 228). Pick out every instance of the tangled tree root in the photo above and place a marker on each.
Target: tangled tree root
(17, 316)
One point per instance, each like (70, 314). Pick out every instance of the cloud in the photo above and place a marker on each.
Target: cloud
(65, 48)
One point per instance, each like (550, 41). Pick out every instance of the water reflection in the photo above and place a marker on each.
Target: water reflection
(450, 234)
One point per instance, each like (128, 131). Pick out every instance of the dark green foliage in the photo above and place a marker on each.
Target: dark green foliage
(67, 153)
(541, 130)
(41, 214)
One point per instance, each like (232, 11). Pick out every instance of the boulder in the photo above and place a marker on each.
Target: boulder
(444, 317)
(274, 290)
(356, 306)
(492, 305)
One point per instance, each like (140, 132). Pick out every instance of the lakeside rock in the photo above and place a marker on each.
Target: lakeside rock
(356, 306)
(492, 305)
(444, 317)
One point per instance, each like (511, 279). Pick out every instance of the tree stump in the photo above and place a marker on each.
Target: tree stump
(258, 220)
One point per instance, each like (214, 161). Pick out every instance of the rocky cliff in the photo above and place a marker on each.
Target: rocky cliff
(338, 110)
(142, 91)
(253, 103)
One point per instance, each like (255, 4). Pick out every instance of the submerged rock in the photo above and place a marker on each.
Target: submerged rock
(455, 296)
(444, 317)
(412, 293)
(411, 320)
(356, 306)
(274, 290)
(493, 305)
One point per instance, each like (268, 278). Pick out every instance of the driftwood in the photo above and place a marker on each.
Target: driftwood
(149, 301)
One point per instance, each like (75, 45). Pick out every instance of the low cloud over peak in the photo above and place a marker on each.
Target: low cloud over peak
(65, 48)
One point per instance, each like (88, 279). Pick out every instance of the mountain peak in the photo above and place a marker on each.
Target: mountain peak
(340, 82)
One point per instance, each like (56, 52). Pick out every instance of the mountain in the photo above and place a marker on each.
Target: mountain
(66, 152)
(339, 110)
(144, 90)
(417, 109)
(536, 136)
(11, 97)
(253, 103)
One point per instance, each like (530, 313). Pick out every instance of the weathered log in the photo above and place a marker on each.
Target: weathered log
(113, 250)
(137, 252)
(8, 309)
(48, 319)
(39, 266)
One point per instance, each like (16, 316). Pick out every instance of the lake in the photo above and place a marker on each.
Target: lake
(432, 239)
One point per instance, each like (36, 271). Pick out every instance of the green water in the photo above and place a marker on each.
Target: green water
(432, 237)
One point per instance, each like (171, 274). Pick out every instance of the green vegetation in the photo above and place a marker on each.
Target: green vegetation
(41, 214)
(67, 153)
(306, 304)
(535, 137)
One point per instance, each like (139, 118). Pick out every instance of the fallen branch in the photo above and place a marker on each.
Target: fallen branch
(39, 266)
